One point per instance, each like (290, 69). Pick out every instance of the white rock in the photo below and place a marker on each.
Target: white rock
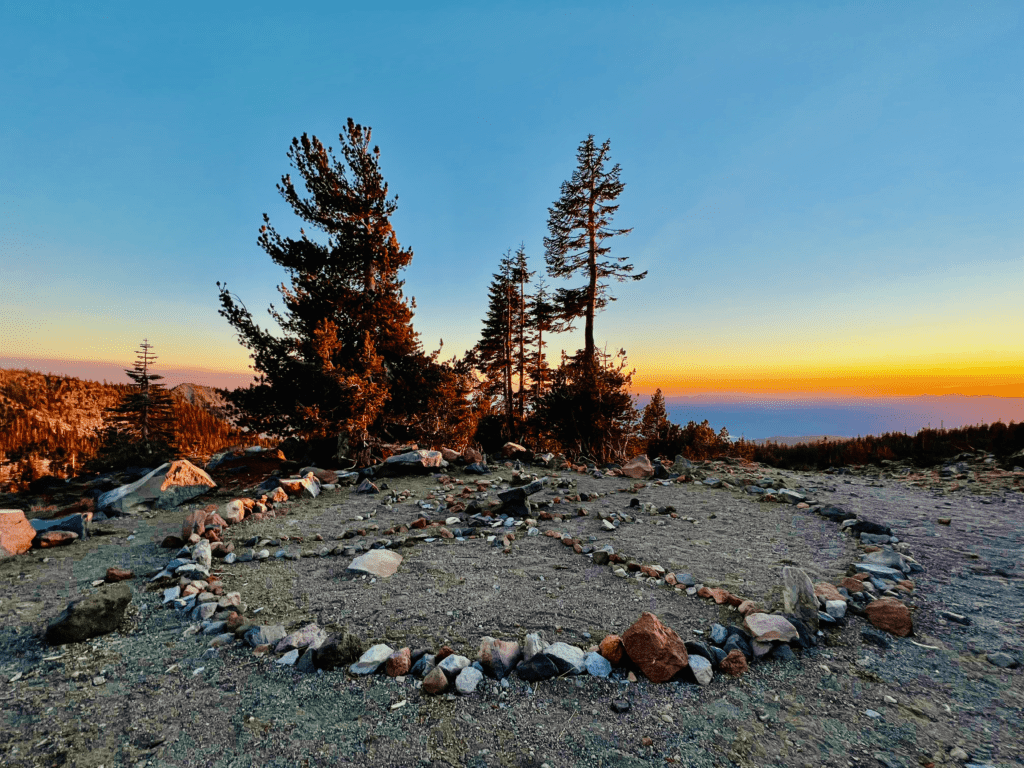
(452, 665)
(701, 669)
(467, 680)
(371, 660)
(835, 608)
(289, 659)
(202, 554)
(171, 593)
(568, 658)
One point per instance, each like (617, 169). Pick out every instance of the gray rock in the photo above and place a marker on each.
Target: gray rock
(568, 659)
(719, 634)
(171, 594)
(701, 669)
(597, 665)
(412, 463)
(835, 608)
(202, 554)
(686, 579)
(230, 558)
(453, 664)
(1002, 660)
(204, 611)
(372, 659)
(289, 659)
(265, 634)
(90, 616)
(467, 680)
(533, 645)
(888, 558)
(422, 666)
(879, 571)
(71, 523)
(367, 487)
(798, 596)
(791, 497)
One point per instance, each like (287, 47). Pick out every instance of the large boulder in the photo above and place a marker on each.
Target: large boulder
(639, 467)
(798, 596)
(165, 487)
(419, 462)
(655, 648)
(16, 533)
(90, 616)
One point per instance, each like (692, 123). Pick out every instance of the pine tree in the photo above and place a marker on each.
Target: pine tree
(579, 224)
(543, 319)
(655, 417)
(348, 339)
(493, 354)
(522, 330)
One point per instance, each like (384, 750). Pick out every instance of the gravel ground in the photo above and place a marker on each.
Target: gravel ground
(159, 703)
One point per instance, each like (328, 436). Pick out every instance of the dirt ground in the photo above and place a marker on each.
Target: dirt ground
(160, 703)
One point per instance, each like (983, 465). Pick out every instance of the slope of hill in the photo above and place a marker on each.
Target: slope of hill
(48, 423)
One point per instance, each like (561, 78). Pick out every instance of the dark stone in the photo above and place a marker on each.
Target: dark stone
(477, 469)
(268, 485)
(634, 503)
(719, 656)
(825, 619)
(72, 523)
(807, 637)
(738, 643)
(697, 648)
(719, 634)
(601, 558)
(783, 652)
(660, 473)
(47, 484)
(1002, 660)
(621, 706)
(518, 495)
(686, 579)
(955, 617)
(867, 526)
(836, 514)
(90, 616)
(872, 637)
(540, 667)
(338, 651)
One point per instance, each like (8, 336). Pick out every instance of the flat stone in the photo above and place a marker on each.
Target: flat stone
(766, 627)
(1002, 660)
(90, 616)
(372, 659)
(890, 615)
(880, 571)
(451, 665)
(798, 596)
(166, 487)
(701, 669)
(380, 563)
(264, 634)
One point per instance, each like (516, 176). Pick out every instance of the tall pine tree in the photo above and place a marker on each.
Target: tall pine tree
(579, 225)
(348, 347)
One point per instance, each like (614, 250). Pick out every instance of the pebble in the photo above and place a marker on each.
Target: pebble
(872, 714)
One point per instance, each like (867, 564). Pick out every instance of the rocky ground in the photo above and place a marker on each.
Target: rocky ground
(153, 693)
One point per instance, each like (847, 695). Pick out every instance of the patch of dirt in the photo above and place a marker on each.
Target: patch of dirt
(153, 708)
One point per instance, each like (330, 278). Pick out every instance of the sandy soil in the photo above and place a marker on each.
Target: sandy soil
(154, 708)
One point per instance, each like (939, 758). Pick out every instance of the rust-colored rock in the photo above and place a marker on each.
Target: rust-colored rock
(435, 682)
(398, 663)
(670, 579)
(611, 648)
(472, 456)
(419, 523)
(195, 522)
(734, 600)
(16, 532)
(828, 591)
(443, 654)
(47, 539)
(851, 584)
(748, 607)
(890, 615)
(655, 648)
(734, 664)
(638, 467)
(118, 574)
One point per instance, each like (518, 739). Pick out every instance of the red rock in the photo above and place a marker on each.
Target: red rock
(828, 591)
(443, 654)
(435, 682)
(748, 607)
(851, 585)
(734, 600)
(734, 664)
(279, 495)
(449, 455)
(615, 557)
(611, 648)
(567, 540)
(398, 663)
(47, 539)
(419, 523)
(767, 627)
(194, 523)
(118, 574)
(890, 615)
(862, 576)
(647, 741)
(638, 467)
(670, 579)
(472, 456)
(646, 570)
(655, 648)
(632, 566)
(577, 548)
(16, 533)
(446, 534)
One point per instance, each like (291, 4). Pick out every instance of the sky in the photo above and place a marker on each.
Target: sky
(828, 197)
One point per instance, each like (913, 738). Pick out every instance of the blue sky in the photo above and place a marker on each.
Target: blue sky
(816, 189)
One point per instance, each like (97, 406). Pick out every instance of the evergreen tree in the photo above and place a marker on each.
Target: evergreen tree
(522, 330)
(348, 341)
(543, 319)
(141, 427)
(493, 354)
(579, 224)
(655, 417)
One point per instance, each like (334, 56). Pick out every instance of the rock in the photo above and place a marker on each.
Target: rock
(202, 554)
(888, 558)
(49, 539)
(655, 648)
(468, 680)
(597, 665)
(533, 645)
(166, 487)
(289, 659)
(836, 608)
(783, 653)
(890, 615)
(568, 659)
(310, 636)
(436, 682)
(701, 669)
(423, 665)
(1002, 660)
(611, 648)
(16, 533)
(338, 651)
(719, 634)
(194, 523)
(798, 596)
(265, 634)
(639, 467)
(879, 571)
(115, 575)
(734, 664)
(539, 667)
(233, 512)
(828, 591)
(452, 664)
(308, 486)
(621, 706)
(372, 659)
(513, 451)
(766, 627)
(367, 487)
(380, 563)
(412, 463)
(498, 657)
(90, 616)
(72, 523)
(877, 639)
(398, 663)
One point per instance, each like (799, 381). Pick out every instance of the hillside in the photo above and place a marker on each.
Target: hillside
(48, 422)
